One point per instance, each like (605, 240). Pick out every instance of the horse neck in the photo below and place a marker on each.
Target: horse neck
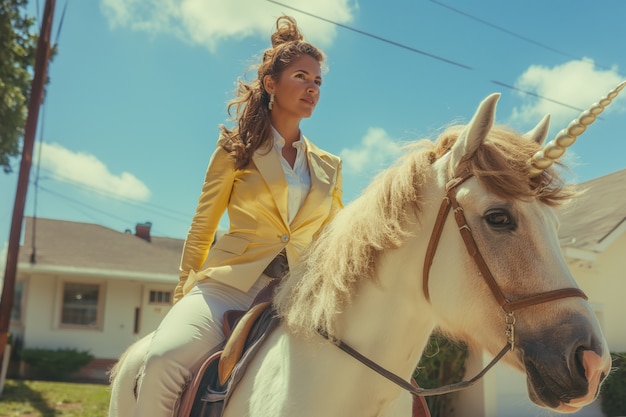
(389, 320)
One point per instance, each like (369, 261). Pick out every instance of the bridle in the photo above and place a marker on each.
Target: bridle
(509, 307)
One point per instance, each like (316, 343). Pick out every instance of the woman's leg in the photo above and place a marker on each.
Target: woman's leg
(188, 333)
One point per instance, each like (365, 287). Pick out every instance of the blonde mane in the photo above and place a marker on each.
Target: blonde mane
(348, 249)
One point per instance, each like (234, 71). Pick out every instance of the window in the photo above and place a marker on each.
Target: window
(160, 297)
(16, 309)
(80, 304)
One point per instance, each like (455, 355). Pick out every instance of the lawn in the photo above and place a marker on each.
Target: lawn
(53, 399)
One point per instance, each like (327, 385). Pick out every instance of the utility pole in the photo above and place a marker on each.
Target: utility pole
(36, 97)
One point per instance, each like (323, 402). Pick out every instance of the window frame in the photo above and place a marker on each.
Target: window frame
(98, 326)
(160, 303)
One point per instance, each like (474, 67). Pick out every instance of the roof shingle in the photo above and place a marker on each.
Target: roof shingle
(85, 245)
(593, 216)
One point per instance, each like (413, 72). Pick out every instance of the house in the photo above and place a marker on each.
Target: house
(88, 287)
(592, 235)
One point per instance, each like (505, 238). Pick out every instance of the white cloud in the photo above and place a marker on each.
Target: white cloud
(87, 170)
(209, 22)
(576, 83)
(376, 150)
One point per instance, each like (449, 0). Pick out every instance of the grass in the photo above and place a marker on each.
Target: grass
(22, 398)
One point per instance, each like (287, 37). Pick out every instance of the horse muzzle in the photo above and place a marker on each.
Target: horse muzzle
(566, 376)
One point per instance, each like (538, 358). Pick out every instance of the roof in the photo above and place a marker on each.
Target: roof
(61, 244)
(596, 218)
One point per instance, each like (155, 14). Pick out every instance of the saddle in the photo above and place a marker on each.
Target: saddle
(209, 391)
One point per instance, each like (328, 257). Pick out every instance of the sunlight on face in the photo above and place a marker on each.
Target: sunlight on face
(297, 89)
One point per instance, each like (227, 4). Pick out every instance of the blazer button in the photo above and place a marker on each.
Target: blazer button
(284, 238)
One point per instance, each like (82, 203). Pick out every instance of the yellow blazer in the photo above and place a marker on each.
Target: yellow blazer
(256, 200)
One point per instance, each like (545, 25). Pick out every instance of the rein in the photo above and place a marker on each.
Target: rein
(422, 392)
(509, 307)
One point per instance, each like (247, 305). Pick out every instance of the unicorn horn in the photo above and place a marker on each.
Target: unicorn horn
(554, 149)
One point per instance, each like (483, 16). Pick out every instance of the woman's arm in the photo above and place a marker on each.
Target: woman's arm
(213, 201)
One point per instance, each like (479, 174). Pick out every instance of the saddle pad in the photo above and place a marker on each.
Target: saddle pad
(205, 380)
(263, 327)
(205, 396)
(233, 350)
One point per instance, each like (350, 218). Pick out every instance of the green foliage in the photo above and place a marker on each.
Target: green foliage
(56, 364)
(613, 394)
(443, 363)
(17, 57)
(54, 399)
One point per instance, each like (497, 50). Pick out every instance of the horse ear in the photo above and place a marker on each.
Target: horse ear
(539, 132)
(475, 132)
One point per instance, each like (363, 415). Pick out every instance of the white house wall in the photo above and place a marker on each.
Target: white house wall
(121, 300)
(117, 315)
(605, 285)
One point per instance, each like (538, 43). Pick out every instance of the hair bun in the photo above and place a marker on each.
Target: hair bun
(286, 31)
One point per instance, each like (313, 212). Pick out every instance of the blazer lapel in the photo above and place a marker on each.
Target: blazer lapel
(322, 174)
(270, 168)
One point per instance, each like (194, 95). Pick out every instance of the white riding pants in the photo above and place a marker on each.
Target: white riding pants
(187, 335)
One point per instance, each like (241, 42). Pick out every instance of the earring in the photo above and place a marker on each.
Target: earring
(270, 105)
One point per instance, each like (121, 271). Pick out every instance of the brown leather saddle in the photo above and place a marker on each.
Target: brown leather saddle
(208, 393)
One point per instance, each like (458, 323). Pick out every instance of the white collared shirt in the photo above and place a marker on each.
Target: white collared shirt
(298, 178)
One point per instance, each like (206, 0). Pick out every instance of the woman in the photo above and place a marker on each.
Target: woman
(279, 190)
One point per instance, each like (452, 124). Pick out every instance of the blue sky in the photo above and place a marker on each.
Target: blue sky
(138, 89)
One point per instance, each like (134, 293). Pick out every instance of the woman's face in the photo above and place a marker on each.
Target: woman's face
(297, 89)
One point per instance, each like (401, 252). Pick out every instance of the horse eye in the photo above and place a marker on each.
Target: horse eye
(500, 219)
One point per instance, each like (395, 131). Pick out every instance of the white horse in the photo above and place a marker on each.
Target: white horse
(502, 281)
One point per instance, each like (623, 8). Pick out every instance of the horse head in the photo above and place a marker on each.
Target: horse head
(512, 285)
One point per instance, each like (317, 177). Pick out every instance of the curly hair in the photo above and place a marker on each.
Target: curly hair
(251, 114)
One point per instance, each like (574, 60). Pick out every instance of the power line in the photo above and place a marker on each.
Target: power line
(445, 60)
(92, 208)
(56, 40)
(80, 204)
(165, 212)
(380, 38)
(108, 194)
(536, 95)
(486, 23)
(509, 32)
(148, 207)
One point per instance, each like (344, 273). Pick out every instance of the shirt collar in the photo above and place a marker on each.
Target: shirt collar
(279, 141)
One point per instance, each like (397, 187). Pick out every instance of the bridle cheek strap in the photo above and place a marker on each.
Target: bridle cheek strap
(450, 202)
(442, 215)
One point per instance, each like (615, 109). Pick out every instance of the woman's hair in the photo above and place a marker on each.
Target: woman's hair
(252, 115)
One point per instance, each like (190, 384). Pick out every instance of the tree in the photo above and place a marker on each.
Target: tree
(17, 57)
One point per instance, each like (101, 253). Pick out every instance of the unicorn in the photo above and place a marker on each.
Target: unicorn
(459, 235)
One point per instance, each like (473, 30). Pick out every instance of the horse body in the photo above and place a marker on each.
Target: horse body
(302, 376)
(363, 282)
